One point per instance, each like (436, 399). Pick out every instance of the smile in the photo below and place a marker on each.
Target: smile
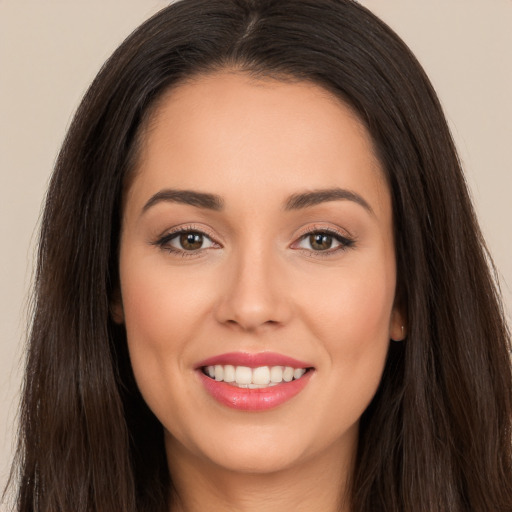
(253, 378)
(253, 382)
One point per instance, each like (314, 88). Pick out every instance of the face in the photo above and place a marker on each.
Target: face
(257, 233)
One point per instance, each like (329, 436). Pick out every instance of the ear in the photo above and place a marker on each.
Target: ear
(397, 324)
(116, 307)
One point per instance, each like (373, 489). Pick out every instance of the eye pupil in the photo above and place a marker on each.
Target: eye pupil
(191, 241)
(320, 241)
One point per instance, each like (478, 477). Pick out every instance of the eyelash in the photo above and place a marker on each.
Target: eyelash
(163, 241)
(344, 241)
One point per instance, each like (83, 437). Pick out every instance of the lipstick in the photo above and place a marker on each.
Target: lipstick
(253, 381)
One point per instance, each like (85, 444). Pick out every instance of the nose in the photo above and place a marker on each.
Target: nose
(254, 295)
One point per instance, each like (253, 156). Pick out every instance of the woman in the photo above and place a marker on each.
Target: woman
(264, 194)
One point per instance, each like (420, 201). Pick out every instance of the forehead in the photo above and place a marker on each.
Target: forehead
(225, 129)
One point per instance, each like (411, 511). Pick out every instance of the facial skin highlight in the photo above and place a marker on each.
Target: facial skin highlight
(258, 220)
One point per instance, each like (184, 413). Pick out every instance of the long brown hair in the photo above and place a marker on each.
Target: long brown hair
(437, 435)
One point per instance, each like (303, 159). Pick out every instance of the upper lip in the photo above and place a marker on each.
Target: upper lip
(254, 360)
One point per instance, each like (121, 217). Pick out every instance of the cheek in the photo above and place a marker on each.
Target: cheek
(162, 312)
(160, 304)
(350, 320)
(353, 308)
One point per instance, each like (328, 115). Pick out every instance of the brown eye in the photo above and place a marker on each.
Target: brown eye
(320, 241)
(324, 242)
(191, 241)
(186, 242)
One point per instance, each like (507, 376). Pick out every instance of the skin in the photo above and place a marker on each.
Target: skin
(257, 284)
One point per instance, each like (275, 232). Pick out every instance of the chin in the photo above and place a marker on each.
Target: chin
(256, 461)
(257, 450)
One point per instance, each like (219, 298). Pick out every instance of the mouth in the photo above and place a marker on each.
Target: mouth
(254, 382)
(245, 377)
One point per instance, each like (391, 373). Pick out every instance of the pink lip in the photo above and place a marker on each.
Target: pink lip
(260, 399)
(254, 360)
(245, 399)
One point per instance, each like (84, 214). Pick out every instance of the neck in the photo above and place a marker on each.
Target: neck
(317, 484)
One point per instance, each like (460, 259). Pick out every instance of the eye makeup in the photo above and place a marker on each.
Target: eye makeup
(191, 240)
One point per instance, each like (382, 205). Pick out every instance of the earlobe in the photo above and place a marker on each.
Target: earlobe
(116, 307)
(397, 326)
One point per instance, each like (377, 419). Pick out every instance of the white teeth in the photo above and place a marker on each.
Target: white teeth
(243, 375)
(288, 374)
(229, 373)
(298, 373)
(254, 378)
(219, 372)
(258, 386)
(261, 375)
(276, 374)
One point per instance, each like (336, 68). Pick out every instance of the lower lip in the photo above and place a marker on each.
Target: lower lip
(260, 399)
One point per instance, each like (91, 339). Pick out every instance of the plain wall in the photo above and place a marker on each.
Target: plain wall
(51, 50)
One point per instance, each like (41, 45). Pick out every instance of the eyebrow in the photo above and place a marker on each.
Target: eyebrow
(294, 202)
(190, 197)
(315, 197)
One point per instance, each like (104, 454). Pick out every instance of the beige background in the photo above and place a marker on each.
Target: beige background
(50, 51)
